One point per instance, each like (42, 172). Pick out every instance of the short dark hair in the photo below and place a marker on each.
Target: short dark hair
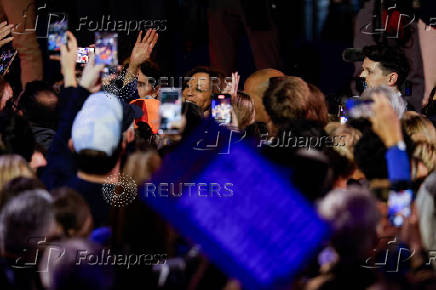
(33, 110)
(151, 69)
(286, 99)
(16, 136)
(391, 59)
(17, 186)
(369, 155)
(144, 137)
(370, 152)
(70, 209)
(216, 87)
(96, 162)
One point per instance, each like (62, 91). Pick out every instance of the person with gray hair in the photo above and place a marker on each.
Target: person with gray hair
(28, 215)
(353, 217)
(395, 98)
(26, 221)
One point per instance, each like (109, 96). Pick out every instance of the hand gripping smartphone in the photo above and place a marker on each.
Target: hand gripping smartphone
(57, 35)
(106, 48)
(359, 108)
(221, 108)
(83, 54)
(399, 206)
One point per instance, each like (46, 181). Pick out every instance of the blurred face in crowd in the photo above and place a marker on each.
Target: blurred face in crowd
(145, 88)
(7, 95)
(199, 90)
(375, 76)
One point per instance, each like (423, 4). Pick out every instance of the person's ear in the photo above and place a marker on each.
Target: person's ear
(70, 145)
(392, 79)
(130, 135)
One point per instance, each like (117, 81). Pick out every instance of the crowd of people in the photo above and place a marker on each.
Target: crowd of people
(371, 178)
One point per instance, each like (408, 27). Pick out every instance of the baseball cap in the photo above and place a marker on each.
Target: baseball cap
(352, 55)
(97, 126)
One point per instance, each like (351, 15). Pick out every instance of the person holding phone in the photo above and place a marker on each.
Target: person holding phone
(19, 13)
(5, 30)
(387, 126)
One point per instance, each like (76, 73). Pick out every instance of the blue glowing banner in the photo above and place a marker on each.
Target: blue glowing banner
(245, 215)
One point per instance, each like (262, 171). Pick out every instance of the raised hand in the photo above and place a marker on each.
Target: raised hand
(232, 88)
(385, 121)
(5, 30)
(235, 84)
(68, 60)
(143, 47)
(91, 74)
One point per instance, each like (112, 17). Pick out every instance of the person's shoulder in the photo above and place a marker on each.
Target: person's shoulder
(83, 186)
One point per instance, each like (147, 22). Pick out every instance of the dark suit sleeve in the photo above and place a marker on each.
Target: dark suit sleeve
(60, 163)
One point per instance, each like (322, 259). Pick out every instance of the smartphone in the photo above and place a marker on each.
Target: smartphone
(57, 35)
(342, 116)
(399, 206)
(83, 54)
(7, 56)
(170, 110)
(106, 48)
(221, 107)
(359, 108)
